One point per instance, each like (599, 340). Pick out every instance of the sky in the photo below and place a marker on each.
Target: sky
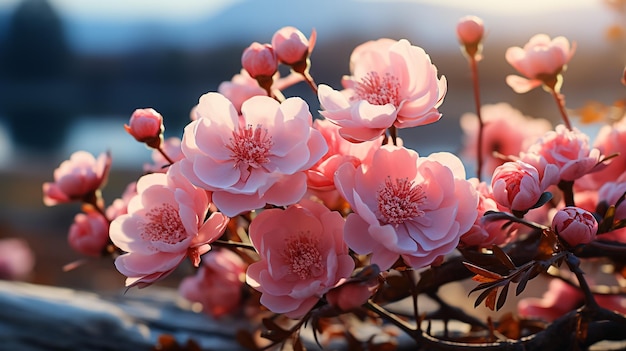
(170, 10)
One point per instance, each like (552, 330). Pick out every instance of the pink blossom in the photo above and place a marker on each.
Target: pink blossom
(575, 225)
(119, 206)
(291, 46)
(406, 206)
(164, 224)
(259, 60)
(254, 159)
(241, 87)
(611, 139)
(506, 132)
(568, 150)
(17, 259)
(518, 185)
(77, 179)
(146, 126)
(610, 194)
(391, 83)
(171, 147)
(302, 256)
(541, 61)
(559, 299)
(89, 234)
(218, 283)
(485, 233)
(320, 177)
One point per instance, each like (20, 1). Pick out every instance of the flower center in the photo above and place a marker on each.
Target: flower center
(303, 257)
(378, 90)
(163, 224)
(250, 146)
(400, 200)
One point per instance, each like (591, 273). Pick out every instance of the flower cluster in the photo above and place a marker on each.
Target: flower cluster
(317, 215)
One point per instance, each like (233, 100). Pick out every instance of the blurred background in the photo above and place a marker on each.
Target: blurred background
(72, 72)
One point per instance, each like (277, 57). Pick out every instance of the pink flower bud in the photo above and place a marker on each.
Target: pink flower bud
(470, 30)
(259, 60)
(575, 225)
(89, 234)
(290, 45)
(146, 126)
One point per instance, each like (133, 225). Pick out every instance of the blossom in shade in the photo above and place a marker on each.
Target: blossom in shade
(119, 206)
(77, 179)
(291, 46)
(302, 256)
(392, 83)
(611, 139)
(575, 225)
(259, 60)
(171, 147)
(485, 233)
(218, 283)
(540, 61)
(258, 158)
(354, 292)
(506, 132)
(17, 259)
(146, 126)
(518, 185)
(241, 87)
(567, 149)
(165, 223)
(89, 234)
(406, 206)
(321, 176)
(559, 299)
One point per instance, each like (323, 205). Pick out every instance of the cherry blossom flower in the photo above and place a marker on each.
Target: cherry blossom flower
(164, 224)
(259, 60)
(77, 179)
(302, 256)
(320, 177)
(541, 61)
(575, 225)
(518, 185)
(406, 206)
(17, 259)
(392, 83)
(89, 234)
(506, 132)
(611, 139)
(568, 150)
(146, 126)
(218, 283)
(254, 159)
(485, 233)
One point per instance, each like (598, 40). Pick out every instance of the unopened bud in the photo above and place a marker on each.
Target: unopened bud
(470, 31)
(146, 126)
(575, 225)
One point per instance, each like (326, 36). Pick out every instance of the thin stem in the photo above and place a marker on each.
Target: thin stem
(573, 263)
(558, 98)
(167, 158)
(393, 133)
(479, 147)
(309, 79)
(567, 186)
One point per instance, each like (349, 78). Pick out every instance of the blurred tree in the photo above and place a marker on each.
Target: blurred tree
(35, 76)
